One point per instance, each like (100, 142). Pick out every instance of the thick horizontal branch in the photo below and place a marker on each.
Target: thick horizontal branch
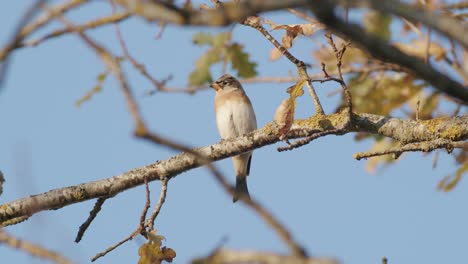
(405, 131)
(225, 14)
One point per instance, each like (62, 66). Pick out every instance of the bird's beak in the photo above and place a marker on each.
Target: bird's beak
(215, 86)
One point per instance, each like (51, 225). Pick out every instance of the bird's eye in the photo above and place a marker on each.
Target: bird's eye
(225, 82)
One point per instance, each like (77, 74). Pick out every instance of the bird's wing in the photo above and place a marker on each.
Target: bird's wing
(244, 118)
(225, 121)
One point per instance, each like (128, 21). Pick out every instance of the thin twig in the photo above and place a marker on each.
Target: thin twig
(114, 18)
(140, 229)
(285, 79)
(15, 39)
(157, 209)
(32, 249)
(243, 256)
(424, 146)
(144, 212)
(92, 214)
(339, 57)
(307, 140)
(111, 248)
(23, 32)
(140, 67)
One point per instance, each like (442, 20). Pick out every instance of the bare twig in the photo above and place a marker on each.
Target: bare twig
(140, 229)
(157, 209)
(374, 67)
(144, 212)
(114, 18)
(236, 256)
(425, 146)
(307, 140)
(32, 249)
(25, 30)
(48, 16)
(118, 244)
(339, 57)
(140, 67)
(92, 215)
(16, 38)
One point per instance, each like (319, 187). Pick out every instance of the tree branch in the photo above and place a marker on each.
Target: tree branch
(224, 15)
(32, 249)
(444, 24)
(38, 23)
(405, 131)
(425, 146)
(380, 49)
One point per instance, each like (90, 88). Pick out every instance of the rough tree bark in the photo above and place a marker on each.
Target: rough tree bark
(405, 131)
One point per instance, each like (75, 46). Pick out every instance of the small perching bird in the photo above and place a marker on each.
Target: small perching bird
(235, 117)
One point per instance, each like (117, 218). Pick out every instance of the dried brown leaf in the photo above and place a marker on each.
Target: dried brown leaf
(284, 116)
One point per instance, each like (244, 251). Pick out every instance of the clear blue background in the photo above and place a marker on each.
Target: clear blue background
(328, 201)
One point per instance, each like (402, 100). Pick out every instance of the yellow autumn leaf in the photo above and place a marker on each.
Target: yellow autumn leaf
(152, 253)
(296, 90)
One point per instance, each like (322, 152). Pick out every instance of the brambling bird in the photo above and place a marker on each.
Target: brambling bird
(235, 117)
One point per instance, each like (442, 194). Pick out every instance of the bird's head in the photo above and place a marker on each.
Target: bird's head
(226, 83)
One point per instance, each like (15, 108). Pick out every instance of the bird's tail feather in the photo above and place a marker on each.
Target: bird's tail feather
(241, 189)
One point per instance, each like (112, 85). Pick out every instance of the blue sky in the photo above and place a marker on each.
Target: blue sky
(329, 202)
